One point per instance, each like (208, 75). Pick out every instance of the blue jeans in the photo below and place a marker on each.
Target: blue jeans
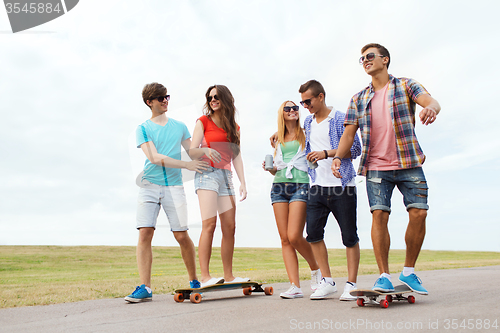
(410, 182)
(340, 202)
(289, 192)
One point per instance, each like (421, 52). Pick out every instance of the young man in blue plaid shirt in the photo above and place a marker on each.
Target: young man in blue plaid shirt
(385, 114)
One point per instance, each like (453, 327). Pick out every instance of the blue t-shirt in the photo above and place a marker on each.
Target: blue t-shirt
(167, 140)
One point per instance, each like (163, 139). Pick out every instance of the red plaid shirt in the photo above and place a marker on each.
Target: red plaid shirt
(402, 94)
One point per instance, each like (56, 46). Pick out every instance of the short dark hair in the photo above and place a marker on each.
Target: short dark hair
(382, 50)
(152, 91)
(315, 86)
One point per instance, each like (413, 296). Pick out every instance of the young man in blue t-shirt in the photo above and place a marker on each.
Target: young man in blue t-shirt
(161, 138)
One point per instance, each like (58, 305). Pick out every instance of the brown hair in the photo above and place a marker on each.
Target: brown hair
(315, 86)
(228, 113)
(382, 50)
(299, 132)
(152, 91)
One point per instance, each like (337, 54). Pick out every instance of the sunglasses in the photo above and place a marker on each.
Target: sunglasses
(291, 108)
(161, 98)
(209, 98)
(369, 57)
(305, 102)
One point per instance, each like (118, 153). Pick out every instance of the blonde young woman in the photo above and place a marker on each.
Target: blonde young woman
(216, 139)
(289, 197)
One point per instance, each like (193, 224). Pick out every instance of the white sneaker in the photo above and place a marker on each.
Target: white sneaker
(212, 281)
(346, 296)
(238, 280)
(324, 290)
(292, 292)
(315, 279)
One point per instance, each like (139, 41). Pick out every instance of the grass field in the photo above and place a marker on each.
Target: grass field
(37, 275)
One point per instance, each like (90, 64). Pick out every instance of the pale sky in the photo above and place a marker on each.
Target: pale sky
(71, 100)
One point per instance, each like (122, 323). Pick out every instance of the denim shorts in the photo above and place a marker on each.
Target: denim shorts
(340, 202)
(289, 192)
(214, 179)
(171, 198)
(410, 182)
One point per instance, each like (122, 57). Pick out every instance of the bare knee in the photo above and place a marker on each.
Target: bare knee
(295, 239)
(285, 241)
(418, 215)
(182, 237)
(146, 235)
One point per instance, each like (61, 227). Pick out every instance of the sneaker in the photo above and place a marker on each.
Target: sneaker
(414, 283)
(292, 292)
(346, 296)
(324, 290)
(140, 294)
(194, 284)
(315, 279)
(238, 280)
(212, 281)
(383, 284)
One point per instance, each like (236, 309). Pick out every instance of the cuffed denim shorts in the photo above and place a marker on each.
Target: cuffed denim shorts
(342, 203)
(289, 192)
(214, 179)
(171, 198)
(410, 182)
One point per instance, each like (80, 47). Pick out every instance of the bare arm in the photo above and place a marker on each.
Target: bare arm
(430, 109)
(195, 151)
(154, 157)
(238, 167)
(344, 148)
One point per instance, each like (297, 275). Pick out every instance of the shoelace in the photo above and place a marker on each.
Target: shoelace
(136, 291)
(415, 277)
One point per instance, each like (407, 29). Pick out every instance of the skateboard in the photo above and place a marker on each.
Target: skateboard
(372, 295)
(194, 294)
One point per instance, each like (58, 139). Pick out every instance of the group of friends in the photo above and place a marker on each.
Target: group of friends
(313, 177)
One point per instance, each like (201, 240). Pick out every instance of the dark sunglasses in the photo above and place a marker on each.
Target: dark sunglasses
(291, 108)
(369, 57)
(161, 98)
(305, 102)
(209, 98)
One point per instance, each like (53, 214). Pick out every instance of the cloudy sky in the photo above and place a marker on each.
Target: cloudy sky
(71, 100)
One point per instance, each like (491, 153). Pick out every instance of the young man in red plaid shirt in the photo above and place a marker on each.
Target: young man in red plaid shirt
(391, 156)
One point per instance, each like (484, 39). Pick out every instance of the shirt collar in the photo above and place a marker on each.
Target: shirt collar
(391, 79)
(331, 115)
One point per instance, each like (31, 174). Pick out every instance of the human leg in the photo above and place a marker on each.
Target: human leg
(227, 216)
(208, 208)
(144, 254)
(188, 252)
(281, 214)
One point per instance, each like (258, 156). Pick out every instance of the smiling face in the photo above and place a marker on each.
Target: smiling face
(311, 102)
(377, 65)
(215, 103)
(292, 115)
(158, 107)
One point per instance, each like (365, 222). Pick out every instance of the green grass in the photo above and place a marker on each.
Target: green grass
(37, 275)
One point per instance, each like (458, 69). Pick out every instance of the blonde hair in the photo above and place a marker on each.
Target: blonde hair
(299, 132)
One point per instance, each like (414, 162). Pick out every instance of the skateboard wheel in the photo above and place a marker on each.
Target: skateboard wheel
(268, 290)
(388, 298)
(247, 291)
(360, 302)
(195, 298)
(179, 297)
(411, 299)
(384, 304)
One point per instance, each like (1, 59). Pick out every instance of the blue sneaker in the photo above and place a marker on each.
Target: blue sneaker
(383, 284)
(194, 284)
(414, 283)
(140, 294)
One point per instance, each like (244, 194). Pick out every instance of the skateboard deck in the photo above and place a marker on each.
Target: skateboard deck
(194, 294)
(368, 296)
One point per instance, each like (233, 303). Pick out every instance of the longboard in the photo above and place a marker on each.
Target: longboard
(368, 296)
(194, 294)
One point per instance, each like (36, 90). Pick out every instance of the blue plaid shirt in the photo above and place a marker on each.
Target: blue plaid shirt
(336, 130)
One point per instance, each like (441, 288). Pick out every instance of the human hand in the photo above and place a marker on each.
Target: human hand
(271, 171)
(197, 165)
(315, 156)
(336, 167)
(213, 155)
(243, 192)
(427, 115)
